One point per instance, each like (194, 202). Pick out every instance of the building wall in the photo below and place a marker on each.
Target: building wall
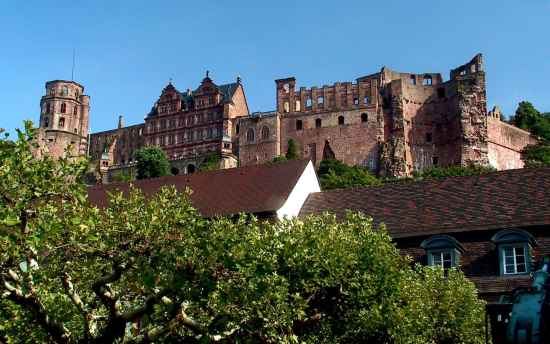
(480, 261)
(259, 138)
(505, 143)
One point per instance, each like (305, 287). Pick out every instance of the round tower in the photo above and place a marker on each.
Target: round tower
(64, 118)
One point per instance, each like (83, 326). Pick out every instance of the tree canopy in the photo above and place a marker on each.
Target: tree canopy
(529, 118)
(292, 150)
(152, 269)
(151, 163)
(334, 174)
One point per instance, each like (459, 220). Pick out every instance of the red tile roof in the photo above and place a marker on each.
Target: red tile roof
(504, 199)
(251, 189)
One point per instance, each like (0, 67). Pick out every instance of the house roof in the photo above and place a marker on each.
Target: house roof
(504, 199)
(252, 189)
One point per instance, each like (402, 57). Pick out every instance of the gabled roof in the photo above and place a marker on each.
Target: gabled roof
(498, 200)
(255, 189)
(228, 90)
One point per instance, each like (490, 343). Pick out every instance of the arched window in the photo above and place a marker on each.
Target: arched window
(299, 125)
(341, 120)
(514, 251)
(364, 117)
(61, 122)
(286, 107)
(427, 80)
(318, 123)
(46, 122)
(308, 103)
(75, 110)
(250, 135)
(63, 107)
(64, 91)
(48, 108)
(191, 169)
(443, 251)
(265, 133)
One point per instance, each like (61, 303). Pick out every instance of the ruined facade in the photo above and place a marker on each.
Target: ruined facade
(64, 119)
(390, 122)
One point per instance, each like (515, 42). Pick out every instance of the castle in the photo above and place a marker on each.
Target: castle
(390, 122)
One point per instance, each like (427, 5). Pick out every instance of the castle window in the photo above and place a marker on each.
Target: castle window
(286, 107)
(172, 123)
(265, 133)
(308, 103)
(76, 94)
(48, 108)
(355, 101)
(297, 107)
(171, 139)
(435, 161)
(318, 123)
(366, 100)
(463, 72)
(299, 125)
(413, 80)
(428, 137)
(341, 120)
(514, 251)
(46, 122)
(286, 88)
(441, 92)
(364, 117)
(52, 91)
(63, 107)
(427, 80)
(209, 132)
(61, 122)
(75, 130)
(163, 124)
(250, 135)
(237, 128)
(443, 251)
(65, 91)
(75, 110)
(321, 101)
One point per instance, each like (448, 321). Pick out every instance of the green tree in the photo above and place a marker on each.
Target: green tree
(292, 150)
(452, 171)
(334, 174)
(151, 163)
(123, 176)
(537, 155)
(529, 118)
(211, 162)
(153, 270)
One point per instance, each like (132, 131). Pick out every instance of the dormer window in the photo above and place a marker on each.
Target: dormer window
(443, 251)
(514, 251)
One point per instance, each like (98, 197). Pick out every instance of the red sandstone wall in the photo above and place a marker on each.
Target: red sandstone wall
(506, 143)
(262, 148)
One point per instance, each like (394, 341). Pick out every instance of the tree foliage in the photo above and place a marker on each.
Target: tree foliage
(452, 171)
(334, 174)
(529, 118)
(292, 150)
(153, 270)
(211, 162)
(151, 163)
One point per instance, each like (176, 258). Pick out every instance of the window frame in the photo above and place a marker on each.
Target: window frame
(514, 238)
(502, 258)
(442, 244)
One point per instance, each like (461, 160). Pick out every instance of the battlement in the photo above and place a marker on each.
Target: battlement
(474, 66)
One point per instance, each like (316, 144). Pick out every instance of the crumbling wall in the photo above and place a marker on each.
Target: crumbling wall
(264, 144)
(505, 143)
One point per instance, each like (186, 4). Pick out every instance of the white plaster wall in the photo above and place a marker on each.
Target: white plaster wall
(307, 183)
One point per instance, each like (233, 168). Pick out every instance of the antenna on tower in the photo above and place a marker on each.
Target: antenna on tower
(72, 70)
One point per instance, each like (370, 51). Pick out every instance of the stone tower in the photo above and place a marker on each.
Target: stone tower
(64, 118)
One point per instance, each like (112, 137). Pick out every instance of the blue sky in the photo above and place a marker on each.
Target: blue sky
(126, 51)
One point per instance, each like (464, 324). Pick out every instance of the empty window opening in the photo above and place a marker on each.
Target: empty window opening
(341, 120)
(364, 117)
(428, 137)
(299, 125)
(413, 79)
(191, 169)
(355, 101)
(308, 103)
(297, 106)
(63, 107)
(441, 92)
(366, 100)
(237, 128)
(286, 107)
(250, 135)
(46, 122)
(321, 101)
(265, 133)
(427, 80)
(435, 161)
(318, 123)
(175, 171)
(61, 123)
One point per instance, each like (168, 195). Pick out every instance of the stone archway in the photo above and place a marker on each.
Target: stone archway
(191, 169)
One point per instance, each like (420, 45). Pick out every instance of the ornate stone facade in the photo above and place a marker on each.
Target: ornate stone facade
(390, 122)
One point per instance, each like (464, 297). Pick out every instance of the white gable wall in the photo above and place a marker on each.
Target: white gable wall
(306, 184)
